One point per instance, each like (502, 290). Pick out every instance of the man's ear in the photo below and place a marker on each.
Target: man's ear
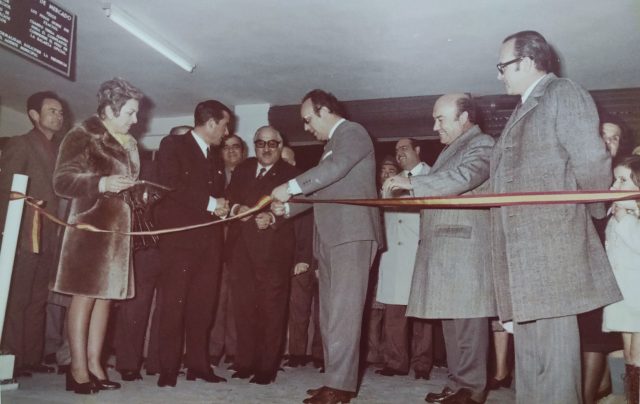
(417, 148)
(34, 115)
(464, 117)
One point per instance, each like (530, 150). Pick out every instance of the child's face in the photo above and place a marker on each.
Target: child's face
(623, 181)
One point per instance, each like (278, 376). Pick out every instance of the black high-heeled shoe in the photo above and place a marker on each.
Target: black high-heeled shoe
(80, 388)
(105, 384)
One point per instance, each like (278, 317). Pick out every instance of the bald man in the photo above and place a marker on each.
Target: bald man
(452, 275)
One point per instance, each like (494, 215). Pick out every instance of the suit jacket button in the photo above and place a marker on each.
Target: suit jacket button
(210, 182)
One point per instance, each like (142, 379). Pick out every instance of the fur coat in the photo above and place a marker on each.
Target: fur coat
(95, 264)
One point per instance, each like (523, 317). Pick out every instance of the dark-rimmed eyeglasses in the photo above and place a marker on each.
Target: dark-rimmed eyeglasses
(501, 66)
(261, 144)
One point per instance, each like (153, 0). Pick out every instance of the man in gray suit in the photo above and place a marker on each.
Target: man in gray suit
(452, 276)
(32, 154)
(346, 237)
(548, 263)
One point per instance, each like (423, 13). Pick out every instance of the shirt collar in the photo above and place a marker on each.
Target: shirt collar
(528, 91)
(333, 129)
(201, 143)
(415, 170)
(266, 168)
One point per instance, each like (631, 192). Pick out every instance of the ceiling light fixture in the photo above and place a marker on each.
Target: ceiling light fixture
(126, 21)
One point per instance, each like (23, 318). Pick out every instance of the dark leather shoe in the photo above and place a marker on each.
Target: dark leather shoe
(422, 374)
(387, 371)
(41, 369)
(313, 392)
(209, 376)
(242, 374)
(130, 375)
(21, 372)
(80, 388)
(263, 378)
(328, 395)
(462, 396)
(104, 384)
(495, 384)
(167, 380)
(439, 397)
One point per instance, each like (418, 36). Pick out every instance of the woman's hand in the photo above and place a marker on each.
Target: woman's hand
(118, 183)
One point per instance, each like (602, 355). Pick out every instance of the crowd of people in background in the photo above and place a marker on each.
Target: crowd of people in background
(562, 279)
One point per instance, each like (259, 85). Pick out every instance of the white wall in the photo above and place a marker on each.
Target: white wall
(250, 118)
(13, 123)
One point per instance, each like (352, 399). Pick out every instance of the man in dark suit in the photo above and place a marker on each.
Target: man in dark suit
(32, 154)
(548, 262)
(191, 259)
(346, 237)
(304, 290)
(261, 260)
(223, 339)
(452, 275)
(133, 314)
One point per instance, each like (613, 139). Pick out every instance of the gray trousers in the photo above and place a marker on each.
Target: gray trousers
(548, 361)
(467, 344)
(343, 277)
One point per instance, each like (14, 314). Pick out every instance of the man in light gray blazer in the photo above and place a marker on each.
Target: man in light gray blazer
(346, 237)
(548, 263)
(452, 276)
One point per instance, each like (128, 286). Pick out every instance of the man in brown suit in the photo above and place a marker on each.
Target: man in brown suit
(32, 154)
(548, 263)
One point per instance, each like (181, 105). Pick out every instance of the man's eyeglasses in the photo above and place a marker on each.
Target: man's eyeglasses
(261, 144)
(501, 66)
(232, 147)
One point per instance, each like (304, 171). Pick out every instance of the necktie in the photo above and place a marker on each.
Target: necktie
(261, 173)
(409, 174)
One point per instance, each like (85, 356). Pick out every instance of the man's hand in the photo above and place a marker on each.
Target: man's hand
(222, 207)
(300, 268)
(396, 183)
(118, 183)
(278, 208)
(241, 209)
(263, 220)
(281, 193)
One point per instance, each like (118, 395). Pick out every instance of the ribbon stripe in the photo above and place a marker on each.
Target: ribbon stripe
(464, 201)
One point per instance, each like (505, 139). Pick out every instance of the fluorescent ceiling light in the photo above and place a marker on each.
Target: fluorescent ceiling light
(138, 30)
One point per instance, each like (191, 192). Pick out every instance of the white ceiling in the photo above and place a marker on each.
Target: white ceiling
(274, 51)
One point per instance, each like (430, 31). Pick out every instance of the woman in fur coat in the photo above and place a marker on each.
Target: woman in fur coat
(98, 160)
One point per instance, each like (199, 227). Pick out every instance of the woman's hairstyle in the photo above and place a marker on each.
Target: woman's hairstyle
(115, 93)
(633, 164)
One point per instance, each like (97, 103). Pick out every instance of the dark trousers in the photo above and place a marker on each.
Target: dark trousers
(304, 297)
(133, 314)
(26, 307)
(260, 294)
(396, 328)
(223, 333)
(188, 292)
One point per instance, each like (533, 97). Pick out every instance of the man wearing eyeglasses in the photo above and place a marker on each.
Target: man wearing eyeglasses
(346, 237)
(223, 340)
(261, 260)
(548, 263)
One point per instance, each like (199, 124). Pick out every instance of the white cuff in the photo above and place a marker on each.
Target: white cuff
(212, 205)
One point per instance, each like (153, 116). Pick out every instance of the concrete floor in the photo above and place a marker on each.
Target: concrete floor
(290, 387)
